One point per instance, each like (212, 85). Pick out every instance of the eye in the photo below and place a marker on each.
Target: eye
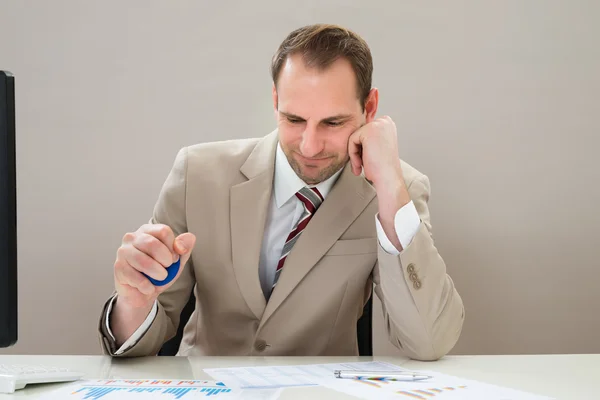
(334, 123)
(294, 120)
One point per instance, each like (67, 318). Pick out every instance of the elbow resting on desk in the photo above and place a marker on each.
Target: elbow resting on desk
(436, 346)
(429, 337)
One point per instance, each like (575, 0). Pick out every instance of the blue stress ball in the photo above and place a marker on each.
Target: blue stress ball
(171, 274)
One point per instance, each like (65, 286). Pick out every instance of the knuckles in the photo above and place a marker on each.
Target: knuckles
(129, 237)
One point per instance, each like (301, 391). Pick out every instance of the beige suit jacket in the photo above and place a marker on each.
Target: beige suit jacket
(220, 192)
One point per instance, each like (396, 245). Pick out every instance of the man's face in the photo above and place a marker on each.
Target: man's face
(316, 113)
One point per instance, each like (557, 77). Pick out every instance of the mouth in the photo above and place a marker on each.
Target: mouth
(309, 161)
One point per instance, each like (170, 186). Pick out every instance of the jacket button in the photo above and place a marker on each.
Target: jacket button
(414, 277)
(260, 345)
(410, 268)
(417, 284)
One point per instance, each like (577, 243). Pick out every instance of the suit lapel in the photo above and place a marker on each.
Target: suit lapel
(249, 205)
(349, 197)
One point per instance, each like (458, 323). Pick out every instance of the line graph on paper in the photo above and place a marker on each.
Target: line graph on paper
(141, 389)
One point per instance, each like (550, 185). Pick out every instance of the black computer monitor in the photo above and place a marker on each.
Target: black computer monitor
(8, 213)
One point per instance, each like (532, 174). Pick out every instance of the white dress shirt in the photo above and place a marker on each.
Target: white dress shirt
(285, 209)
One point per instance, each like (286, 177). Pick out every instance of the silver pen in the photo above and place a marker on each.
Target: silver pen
(381, 375)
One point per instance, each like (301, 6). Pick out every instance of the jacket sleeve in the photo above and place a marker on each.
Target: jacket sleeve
(422, 310)
(170, 209)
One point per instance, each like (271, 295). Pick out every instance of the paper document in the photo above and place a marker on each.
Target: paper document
(117, 389)
(440, 386)
(289, 375)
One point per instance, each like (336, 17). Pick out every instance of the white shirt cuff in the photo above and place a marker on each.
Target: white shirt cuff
(133, 339)
(406, 224)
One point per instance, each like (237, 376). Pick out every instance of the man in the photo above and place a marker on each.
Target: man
(281, 238)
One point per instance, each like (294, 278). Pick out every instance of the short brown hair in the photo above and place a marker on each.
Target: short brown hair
(321, 45)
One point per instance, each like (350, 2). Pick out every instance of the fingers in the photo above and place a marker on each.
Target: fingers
(355, 152)
(163, 233)
(127, 275)
(356, 163)
(142, 262)
(146, 253)
(154, 248)
(184, 243)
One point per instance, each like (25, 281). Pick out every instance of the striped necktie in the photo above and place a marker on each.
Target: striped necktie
(311, 198)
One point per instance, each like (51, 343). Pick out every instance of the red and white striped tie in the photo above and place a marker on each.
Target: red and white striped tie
(311, 198)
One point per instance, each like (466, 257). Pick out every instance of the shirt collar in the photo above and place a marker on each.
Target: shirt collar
(287, 183)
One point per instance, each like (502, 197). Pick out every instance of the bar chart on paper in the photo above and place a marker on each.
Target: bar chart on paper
(116, 389)
(441, 386)
(426, 392)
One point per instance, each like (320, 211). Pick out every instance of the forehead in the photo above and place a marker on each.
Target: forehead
(317, 93)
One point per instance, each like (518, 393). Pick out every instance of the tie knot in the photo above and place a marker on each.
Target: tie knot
(311, 197)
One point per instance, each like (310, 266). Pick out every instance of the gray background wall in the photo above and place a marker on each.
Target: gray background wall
(497, 102)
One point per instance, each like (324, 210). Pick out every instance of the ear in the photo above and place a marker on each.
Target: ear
(371, 105)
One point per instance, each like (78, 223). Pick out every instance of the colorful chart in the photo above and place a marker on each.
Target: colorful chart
(161, 389)
(413, 394)
(428, 393)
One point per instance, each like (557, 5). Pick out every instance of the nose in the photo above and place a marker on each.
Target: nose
(311, 144)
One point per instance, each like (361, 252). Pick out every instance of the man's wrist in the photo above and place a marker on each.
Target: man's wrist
(124, 318)
(391, 198)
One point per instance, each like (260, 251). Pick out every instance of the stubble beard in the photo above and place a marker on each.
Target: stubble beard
(322, 175)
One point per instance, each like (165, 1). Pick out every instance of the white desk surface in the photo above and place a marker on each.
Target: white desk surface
(565, 377)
